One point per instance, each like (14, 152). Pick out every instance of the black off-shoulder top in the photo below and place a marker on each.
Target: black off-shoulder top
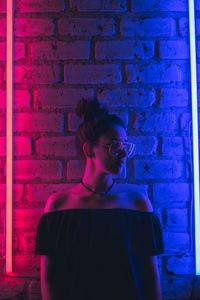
(97, 251)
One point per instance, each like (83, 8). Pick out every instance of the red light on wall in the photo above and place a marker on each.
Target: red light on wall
(9, 135)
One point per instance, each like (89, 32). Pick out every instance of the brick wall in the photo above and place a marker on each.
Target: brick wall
(131, 55)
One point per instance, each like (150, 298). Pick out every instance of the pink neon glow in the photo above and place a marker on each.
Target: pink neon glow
(9, 133)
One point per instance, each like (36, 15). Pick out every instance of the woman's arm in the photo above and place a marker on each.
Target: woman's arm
(51, 287)
(150, 278)
(148, 265)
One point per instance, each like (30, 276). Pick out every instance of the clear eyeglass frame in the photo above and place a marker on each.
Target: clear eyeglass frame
(114, 152)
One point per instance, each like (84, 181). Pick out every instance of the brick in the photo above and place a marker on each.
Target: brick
(177, 219)
(19, 51)
(173, 97)
(38, 170)
(152, 27)
(142, 188)
(171, 194)
(2, 247)
(2, 265)
(3, 27)
(174, 49)
(33, 192)
(2, 195)
(24, 243)
(92, 74)
(175, 146)
(34, 290)
(22, 99)
(156, 122)
(56, 146)
(127, 97)
(98, 6)
(86, 27)
(59, 50)
(158, 169)
(146, 145)
(184, 26)
(19, 194)
(185, 120)
(198, 49)
(181, 265)
(26, 264)
(39, 74)
(198, 70)
(2, 6)
(177, 287)
(159, 5)
(11, 288)
(1, 74)
(2, 146)
(65, 98)
(2, 205)
(74, 170)
(40, 6)
(3, 222)
(2, 50)
(21, 146)
(2, 99)
(154, 73)
(124, 49)
(33, 27)
(2, 123)
(172, 242)
(38, 122)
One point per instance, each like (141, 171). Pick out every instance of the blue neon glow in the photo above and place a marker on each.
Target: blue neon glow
(195, 136)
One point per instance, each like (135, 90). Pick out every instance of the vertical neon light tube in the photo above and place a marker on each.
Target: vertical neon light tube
(9, 135)
(195, 136)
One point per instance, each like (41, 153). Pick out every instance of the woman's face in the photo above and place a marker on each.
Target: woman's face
(106, 162)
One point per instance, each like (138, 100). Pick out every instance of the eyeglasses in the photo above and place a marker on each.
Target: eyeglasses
(116, 146)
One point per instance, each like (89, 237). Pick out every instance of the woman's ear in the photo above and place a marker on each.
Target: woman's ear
(87, 150)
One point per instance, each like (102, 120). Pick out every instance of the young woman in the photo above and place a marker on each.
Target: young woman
(99, 240)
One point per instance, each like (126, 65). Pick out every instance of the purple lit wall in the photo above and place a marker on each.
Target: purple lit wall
(134, 57)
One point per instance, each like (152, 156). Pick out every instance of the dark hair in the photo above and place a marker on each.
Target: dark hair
(96, 122)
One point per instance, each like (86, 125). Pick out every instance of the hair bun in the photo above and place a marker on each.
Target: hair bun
(89, 110)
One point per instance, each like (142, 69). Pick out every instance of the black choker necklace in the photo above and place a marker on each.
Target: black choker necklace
(99, 193)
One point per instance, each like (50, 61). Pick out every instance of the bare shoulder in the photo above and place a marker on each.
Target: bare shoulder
(140, 201)
(54, 201)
